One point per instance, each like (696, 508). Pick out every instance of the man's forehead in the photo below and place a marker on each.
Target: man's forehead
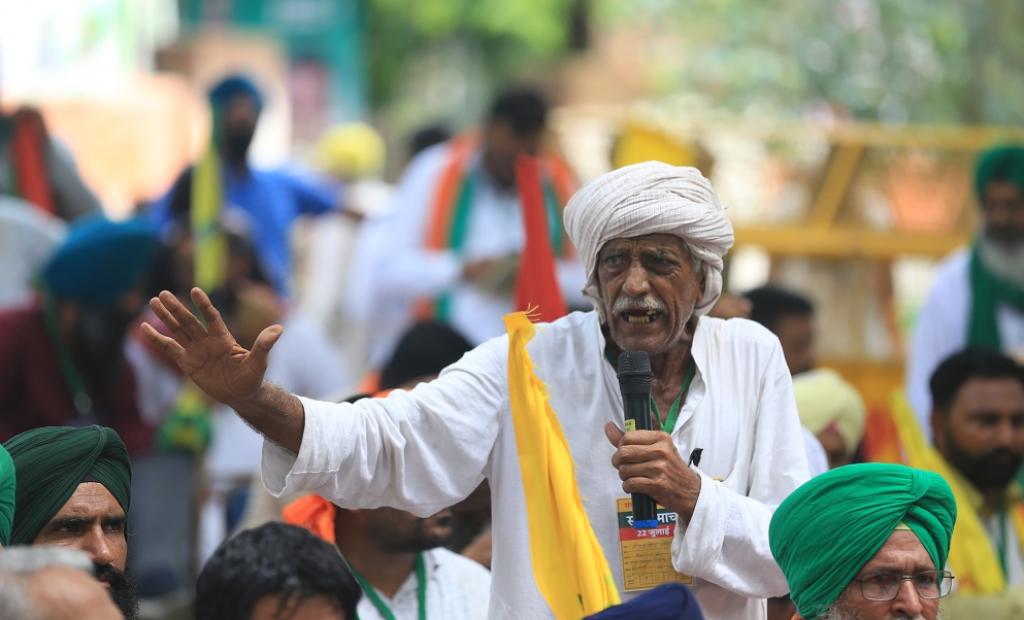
(651, 241)
(90, 499)
(902, 551)
(991, 394)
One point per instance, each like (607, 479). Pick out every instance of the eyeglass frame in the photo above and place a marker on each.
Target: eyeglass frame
(945, 574)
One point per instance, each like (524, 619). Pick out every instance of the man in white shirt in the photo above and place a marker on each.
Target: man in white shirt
(449, 247)
(653, 237)
(977, 297)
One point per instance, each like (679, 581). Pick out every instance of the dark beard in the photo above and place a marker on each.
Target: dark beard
(992, 471)
(122, 589)
(98, 345)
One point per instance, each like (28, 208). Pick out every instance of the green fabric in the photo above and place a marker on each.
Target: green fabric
(1001, 163)
(829, 528)
(7, 487)
(988, 291)
(52, 461)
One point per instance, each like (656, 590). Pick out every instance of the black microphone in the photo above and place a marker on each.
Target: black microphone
(635, 385)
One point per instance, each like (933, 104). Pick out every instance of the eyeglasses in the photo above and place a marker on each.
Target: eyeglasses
(886, 586)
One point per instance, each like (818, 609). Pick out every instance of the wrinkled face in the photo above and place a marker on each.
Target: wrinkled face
(1003, 212)
(649, 287)
(92, 521)
(902, 554)
(313, 608)
(982, 434)
(796, 335)
(503, 146)
(404, 532)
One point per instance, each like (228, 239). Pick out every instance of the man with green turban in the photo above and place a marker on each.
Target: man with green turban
(977, 295)
(6, 497)
(866, 542)
(74, 490)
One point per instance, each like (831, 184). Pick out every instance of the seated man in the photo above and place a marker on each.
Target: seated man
(866, 542)
(278, 572)
(74, 491)
(51, 583)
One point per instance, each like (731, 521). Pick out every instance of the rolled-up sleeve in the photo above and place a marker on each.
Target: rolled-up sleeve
(419, 451)
(726, 540)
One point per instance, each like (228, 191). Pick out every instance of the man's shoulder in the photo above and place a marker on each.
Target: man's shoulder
(736, 332)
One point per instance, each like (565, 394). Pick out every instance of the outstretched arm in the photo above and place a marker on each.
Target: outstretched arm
(224, 370)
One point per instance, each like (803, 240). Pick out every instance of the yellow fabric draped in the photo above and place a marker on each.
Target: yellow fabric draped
(569, 565)
(971, 556)
(211, 250)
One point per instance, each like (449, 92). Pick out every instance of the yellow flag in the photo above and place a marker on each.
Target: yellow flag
(568, 562)
(971, 556)
(211, 250)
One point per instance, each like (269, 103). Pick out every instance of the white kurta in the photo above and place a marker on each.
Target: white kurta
(405, 271)
(426, 449)
(457, 589)
(941, 331)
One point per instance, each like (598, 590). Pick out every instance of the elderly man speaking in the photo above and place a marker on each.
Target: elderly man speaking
(652, 237)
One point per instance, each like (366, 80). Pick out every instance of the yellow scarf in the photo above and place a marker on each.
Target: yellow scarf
(568, 562)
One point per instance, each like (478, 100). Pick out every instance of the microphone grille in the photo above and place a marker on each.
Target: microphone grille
(634, 363)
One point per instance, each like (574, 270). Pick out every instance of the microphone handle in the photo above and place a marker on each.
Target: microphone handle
(638, 417)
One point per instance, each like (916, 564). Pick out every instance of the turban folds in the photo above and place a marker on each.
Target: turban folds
(651, 198)
(1000, 163)
(52, 461)
(824, 399)
(830, 527)
(7, 487)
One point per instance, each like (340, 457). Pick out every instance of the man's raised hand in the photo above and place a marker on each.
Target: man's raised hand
(210, 355)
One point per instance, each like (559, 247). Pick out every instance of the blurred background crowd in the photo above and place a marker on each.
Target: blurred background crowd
(312, 163)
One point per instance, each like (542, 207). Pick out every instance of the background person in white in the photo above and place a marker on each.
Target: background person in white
(653, 237)
(951, 315)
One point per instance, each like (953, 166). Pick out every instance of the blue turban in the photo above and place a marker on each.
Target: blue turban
(233, 86)
(670, 601)
(100, 260)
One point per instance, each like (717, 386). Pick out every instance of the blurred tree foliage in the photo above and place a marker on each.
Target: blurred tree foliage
(508, 34)
(920, 61)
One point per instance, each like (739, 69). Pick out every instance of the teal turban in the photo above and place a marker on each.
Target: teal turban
(1001, 163)
(830, 527)
(52, 461)
(6, 496)
(100, 260)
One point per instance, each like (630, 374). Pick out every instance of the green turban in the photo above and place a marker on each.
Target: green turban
(52, 461)
(1001, 163)
(830, 527)
(6, 496)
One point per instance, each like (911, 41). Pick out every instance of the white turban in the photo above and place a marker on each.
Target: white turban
(650, 198)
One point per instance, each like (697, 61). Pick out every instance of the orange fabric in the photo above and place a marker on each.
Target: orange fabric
(881, 443)
(536, 283)
(27, 143)
(314, 513)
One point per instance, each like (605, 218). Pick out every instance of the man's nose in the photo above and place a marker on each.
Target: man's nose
(95, 544)
(636, 284)
(908, 601)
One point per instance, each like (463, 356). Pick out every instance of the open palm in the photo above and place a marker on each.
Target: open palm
(210, 355)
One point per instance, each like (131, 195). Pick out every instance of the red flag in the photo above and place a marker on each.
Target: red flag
(536, 282)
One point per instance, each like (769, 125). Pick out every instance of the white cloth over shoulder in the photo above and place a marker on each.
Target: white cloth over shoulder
(649, 198)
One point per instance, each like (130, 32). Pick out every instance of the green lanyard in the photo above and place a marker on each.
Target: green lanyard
(669, 423)
(382, 607)
(1002, 538)
(79, 394)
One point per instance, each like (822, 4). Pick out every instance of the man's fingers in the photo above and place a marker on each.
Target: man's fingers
(643, 438)
(646, 486)
(188, 322)
(214, 322)
(168, 319)
(170, 348)
(640, 470)
(264, 342)
(613, 433)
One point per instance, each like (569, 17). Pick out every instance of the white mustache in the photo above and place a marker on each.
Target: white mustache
(643, 304)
